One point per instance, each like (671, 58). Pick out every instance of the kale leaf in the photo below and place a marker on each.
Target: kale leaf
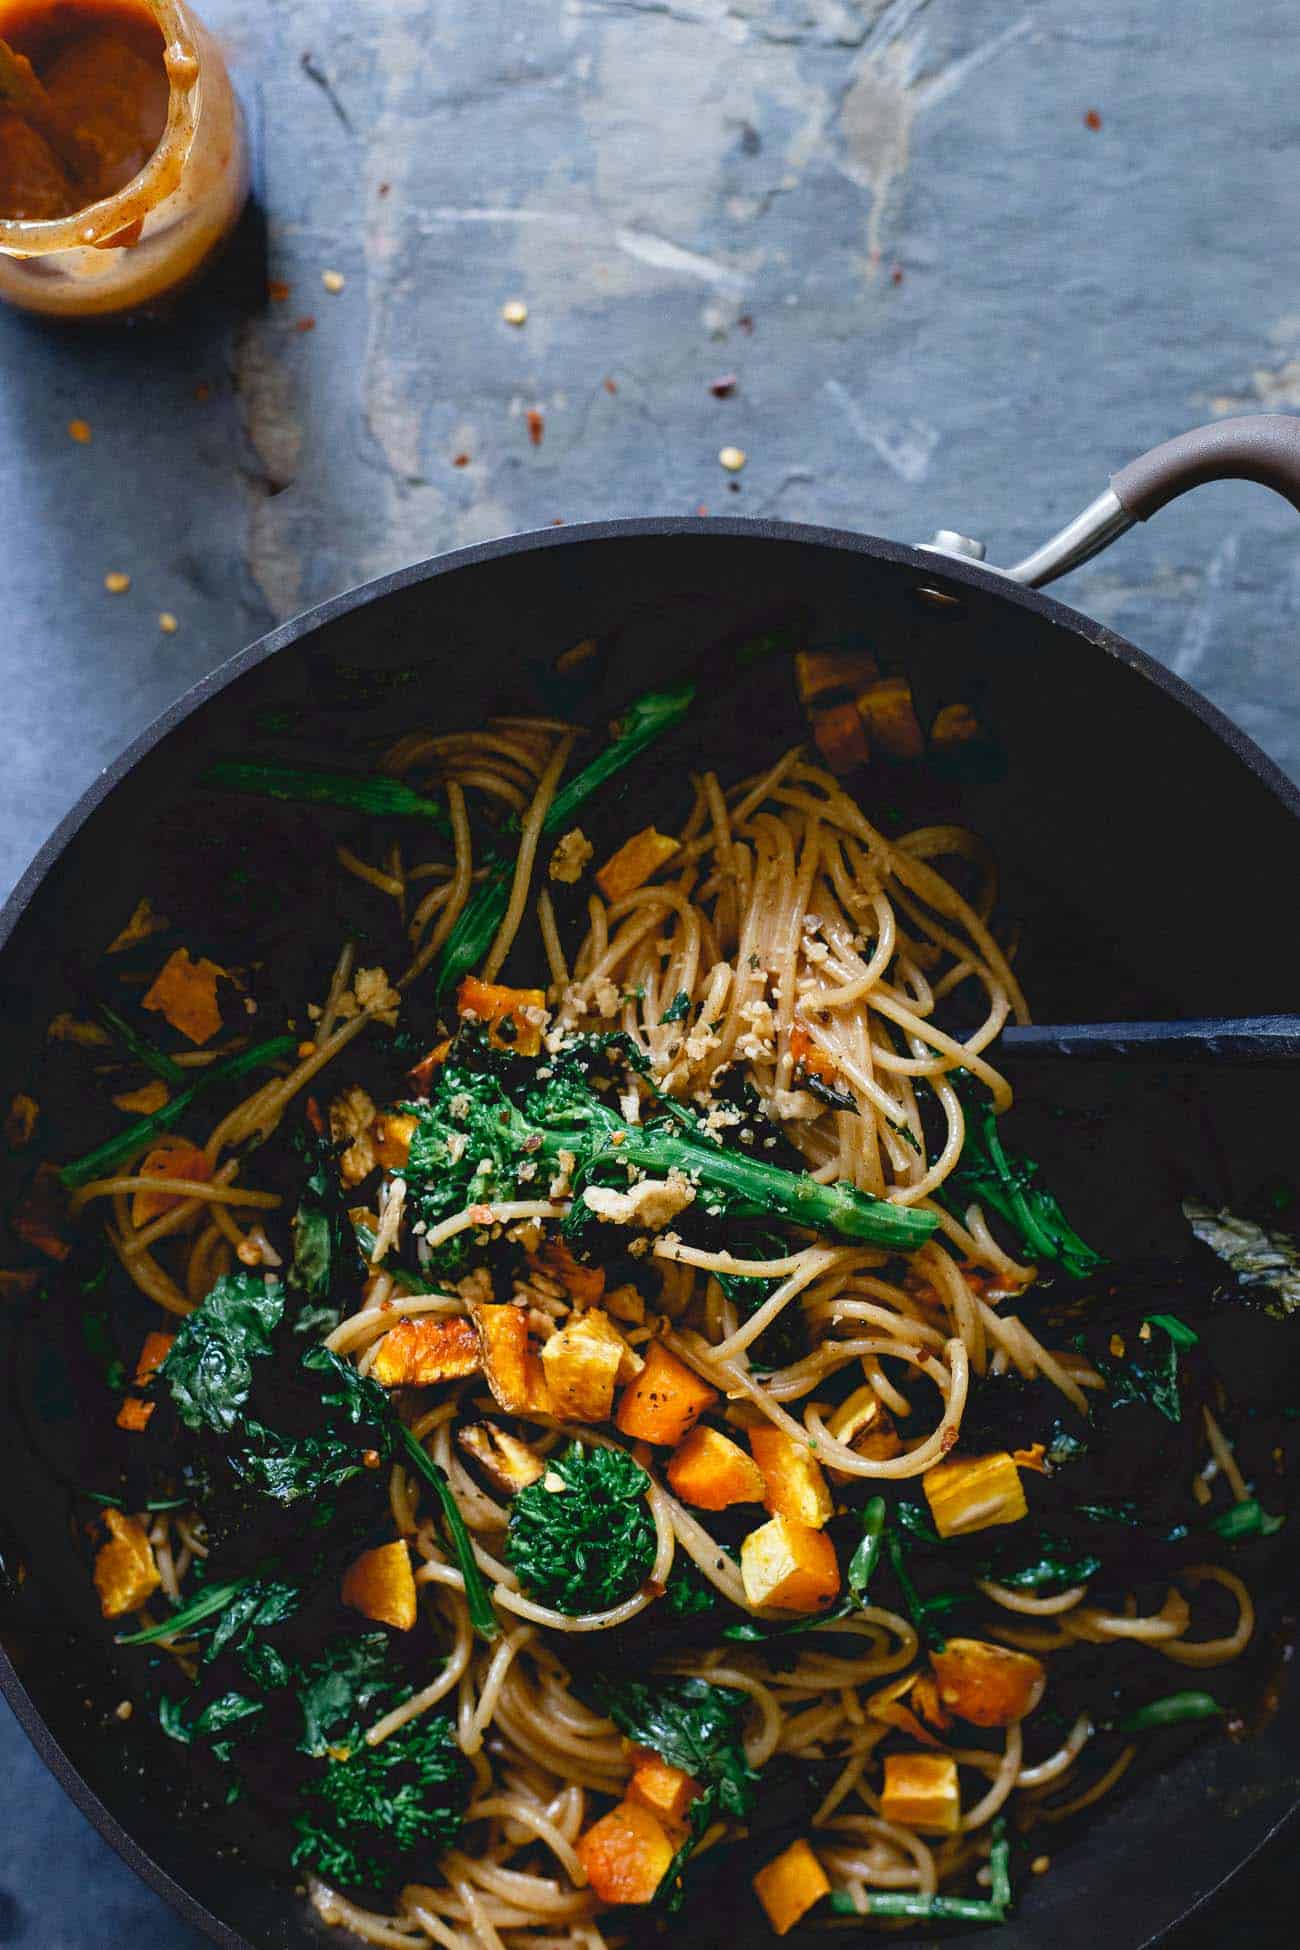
(341, 1690)
(209, 1369)
(325, 1253)
(997, 1179)
(588, 1546)
(366, 1821)
(697, 1727)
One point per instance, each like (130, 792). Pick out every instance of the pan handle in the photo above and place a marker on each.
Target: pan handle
(1263, 447)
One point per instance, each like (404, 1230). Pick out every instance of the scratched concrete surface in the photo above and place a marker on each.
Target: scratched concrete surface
(966, 307)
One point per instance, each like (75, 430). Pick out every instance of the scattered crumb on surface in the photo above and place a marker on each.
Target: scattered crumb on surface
(515, 311)
(79, 430)
(733, 459)
(167, 623)
(333, 280)
(116, 582)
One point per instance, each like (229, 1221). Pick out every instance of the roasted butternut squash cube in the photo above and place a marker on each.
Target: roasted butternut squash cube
(391, 1136)
(793, 1483)
(711, 1472)
(509, 1464)
(789, 1566)
(989, 1685)
(171, 1158)
(665, 1790)
(125, 1572)
(790, 1885)
(890, 717)
(840, 737)
(184, 992)
(583, 1284)
(921, 1791)
(380, 1585)
(974, 1493)
(514, 1016)
(865, 1424)
(954, 724)
(420, 1353)
(634, 863)
(666, 1399)
(134, 1413)
(822, 675)
(626, 1854)
(503, 1332)
(581, 1364)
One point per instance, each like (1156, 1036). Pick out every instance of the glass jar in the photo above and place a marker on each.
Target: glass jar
(138, 245)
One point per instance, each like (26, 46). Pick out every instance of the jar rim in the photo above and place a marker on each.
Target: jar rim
(99, 222)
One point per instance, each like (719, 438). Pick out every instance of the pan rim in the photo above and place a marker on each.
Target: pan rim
(936, 569)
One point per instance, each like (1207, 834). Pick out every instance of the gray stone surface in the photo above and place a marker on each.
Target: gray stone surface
(967, 306)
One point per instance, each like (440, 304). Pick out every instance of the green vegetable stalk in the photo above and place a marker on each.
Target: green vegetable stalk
(1245, 1519)
(476, 1142)
(1010, 1186)
(942, 1909)
(362, 792)
(105, 1159)
(1176, 1709)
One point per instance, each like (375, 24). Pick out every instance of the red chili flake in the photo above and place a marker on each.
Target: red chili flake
(202, 391)
(1092, 120)
(307, 324)
(277, 290)
(745, 322)
(384, 188)
(724, 387)
(557, 521)
(896, 275)
(314, 1117)
(536, 425)
(610, 385)
(460, 460)
(702, 509)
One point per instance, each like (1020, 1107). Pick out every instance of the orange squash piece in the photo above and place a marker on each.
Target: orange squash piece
(583, 1363)
(821, 676)
(391, 1135)
(583, 1284)
(511, 1363)
(711, 1472)
(380, 1585)
(840, 738)
(626, 1854)
(789, 1566)
(790, 1885)
(185, 993)
(989, 1685)
(665, 1790)
(134, 1413)
(887, 710)
(974, 1493)
(171, 1157)
(793, 1483)
(921, 1791)
(514, 1016)
(420, 1353)
(634, 863)
(809, 1060)
(665, 1401)
(125, 1572)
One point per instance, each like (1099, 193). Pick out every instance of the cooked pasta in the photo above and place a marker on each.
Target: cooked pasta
(702, 1388)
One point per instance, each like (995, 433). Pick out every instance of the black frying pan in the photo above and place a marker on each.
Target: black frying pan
(1129, 817)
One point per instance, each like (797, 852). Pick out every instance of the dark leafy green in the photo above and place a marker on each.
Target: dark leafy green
(371, 1819)
(1011, 1187)
(863, 1562)
(209, 1369)
(342, 1690)
(1145, 1374)
(1176, 1709)
(1245, 1519)
(589, 1546)
(678, 1009)
(484, 1134)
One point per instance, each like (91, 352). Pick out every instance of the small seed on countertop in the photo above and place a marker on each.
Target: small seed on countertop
(79, 430)
(332, 280)
(515, 311)
(167, 623)
(116, 582)
(732, 458)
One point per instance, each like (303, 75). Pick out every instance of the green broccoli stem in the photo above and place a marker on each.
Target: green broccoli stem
(748, 1188)
(210, 1601)
(1174, 1710)
(1007, 1186)
(645, 720)
(109, 1155)
(139, 1046)
(362, 792)
(941, 1909)
(477, 1596)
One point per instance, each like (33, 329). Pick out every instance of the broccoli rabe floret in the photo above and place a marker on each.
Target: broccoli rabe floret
(498, 1129)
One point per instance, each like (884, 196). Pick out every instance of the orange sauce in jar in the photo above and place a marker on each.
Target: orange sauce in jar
(100, 64)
